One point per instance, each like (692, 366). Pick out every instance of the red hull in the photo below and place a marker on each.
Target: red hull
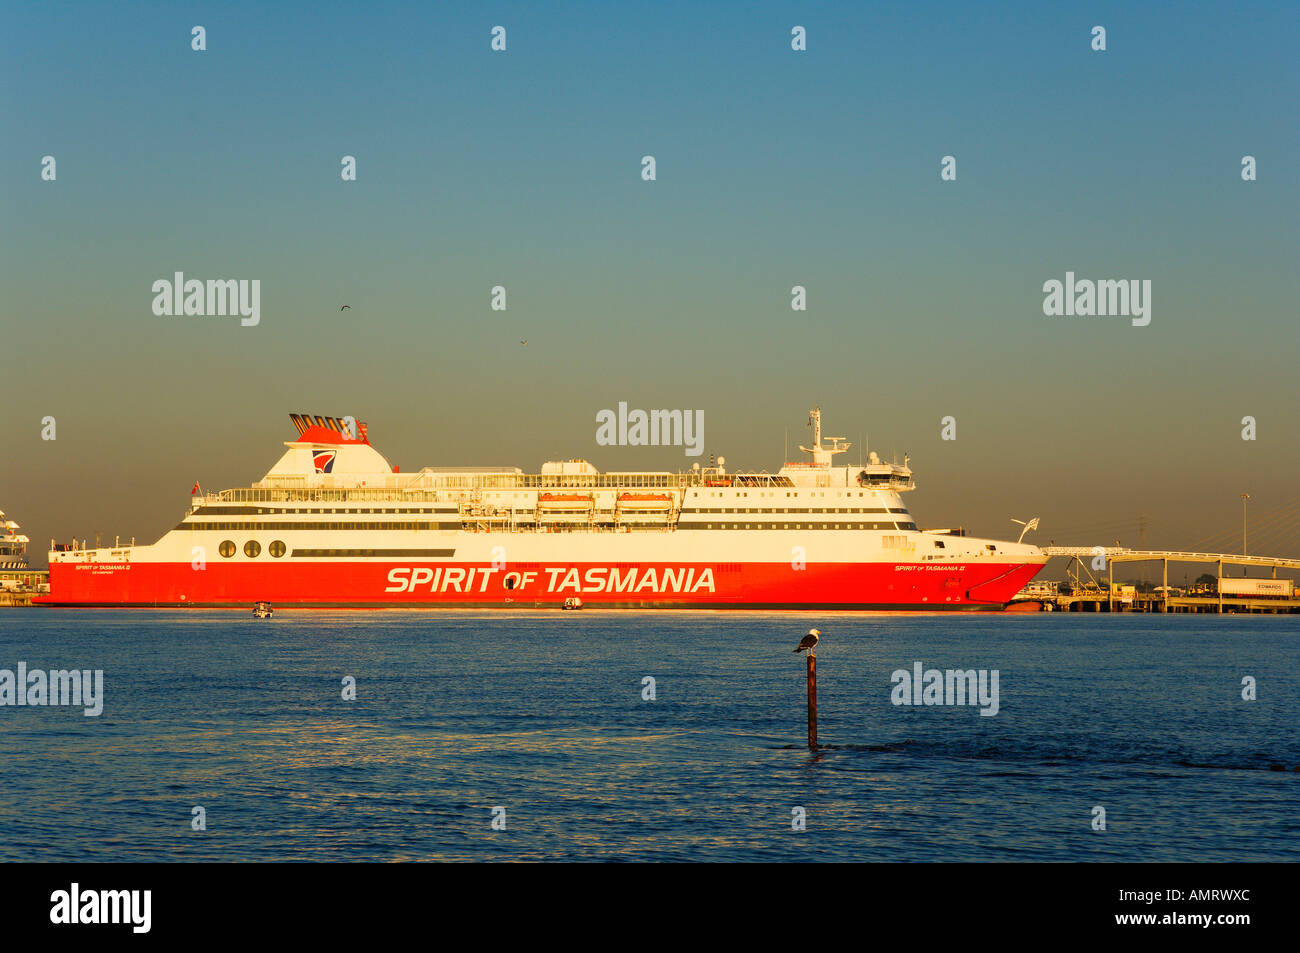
(899, 586)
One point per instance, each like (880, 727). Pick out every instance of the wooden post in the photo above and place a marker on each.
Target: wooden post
(812, 702)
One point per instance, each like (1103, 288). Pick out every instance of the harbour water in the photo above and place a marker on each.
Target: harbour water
(543, 714)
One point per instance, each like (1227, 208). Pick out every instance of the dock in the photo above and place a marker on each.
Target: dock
(1092, 597)
(19, 586)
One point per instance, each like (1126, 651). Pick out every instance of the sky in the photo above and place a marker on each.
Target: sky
(774, 168)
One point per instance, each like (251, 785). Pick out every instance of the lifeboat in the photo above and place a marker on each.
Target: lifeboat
(645, 502)
(569, 502)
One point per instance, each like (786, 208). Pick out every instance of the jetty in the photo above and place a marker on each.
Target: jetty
(1086, 592)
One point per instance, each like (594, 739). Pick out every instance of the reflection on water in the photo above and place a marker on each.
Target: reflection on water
(541, 713)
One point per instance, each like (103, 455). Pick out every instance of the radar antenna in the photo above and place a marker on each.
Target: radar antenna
(822, 455)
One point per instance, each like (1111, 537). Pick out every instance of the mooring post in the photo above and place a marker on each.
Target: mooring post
(812, 702)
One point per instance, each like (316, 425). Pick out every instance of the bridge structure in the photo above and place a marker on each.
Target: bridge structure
(1110, 555)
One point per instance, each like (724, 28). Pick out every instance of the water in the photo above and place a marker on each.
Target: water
(541, 713)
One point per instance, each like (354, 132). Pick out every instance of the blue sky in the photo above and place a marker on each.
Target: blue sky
(775, 168)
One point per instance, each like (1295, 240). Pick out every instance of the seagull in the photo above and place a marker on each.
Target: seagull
(346, 307)
(809, 641)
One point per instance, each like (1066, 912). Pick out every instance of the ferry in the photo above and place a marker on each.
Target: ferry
(334, 525)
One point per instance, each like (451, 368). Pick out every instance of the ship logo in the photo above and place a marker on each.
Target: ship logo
(323, 460)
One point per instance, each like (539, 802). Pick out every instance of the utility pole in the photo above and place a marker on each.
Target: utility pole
(1244, 498)
(1142, 541)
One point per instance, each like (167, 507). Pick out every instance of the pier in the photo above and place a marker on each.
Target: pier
(1094, 595)
(18, 586)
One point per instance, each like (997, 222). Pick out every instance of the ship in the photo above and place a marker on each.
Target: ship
(15, 574)
(334, 525)
(13, 545)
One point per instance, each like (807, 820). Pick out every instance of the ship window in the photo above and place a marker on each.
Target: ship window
(227, 548)
(252, 548)
(276, 548)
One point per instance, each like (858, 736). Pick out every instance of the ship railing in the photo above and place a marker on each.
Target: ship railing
(435, 487)
(320, 494)
(473, 525)
(602, 528)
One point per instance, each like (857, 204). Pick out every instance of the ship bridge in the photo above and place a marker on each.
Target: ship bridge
(874, 474)
(13, 545)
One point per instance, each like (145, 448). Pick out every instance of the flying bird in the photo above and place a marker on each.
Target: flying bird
(346, 307)
(524, 343)
(809, 641)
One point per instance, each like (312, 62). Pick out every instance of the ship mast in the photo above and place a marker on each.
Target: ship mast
(822, 455)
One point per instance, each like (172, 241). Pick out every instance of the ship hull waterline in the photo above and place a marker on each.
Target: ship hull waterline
(876, 586)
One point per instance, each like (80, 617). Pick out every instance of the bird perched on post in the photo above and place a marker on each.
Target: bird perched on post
(809, 641)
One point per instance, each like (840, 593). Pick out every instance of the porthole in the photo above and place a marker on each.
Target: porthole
(252, 548)
(227, 548)
(276, 548)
